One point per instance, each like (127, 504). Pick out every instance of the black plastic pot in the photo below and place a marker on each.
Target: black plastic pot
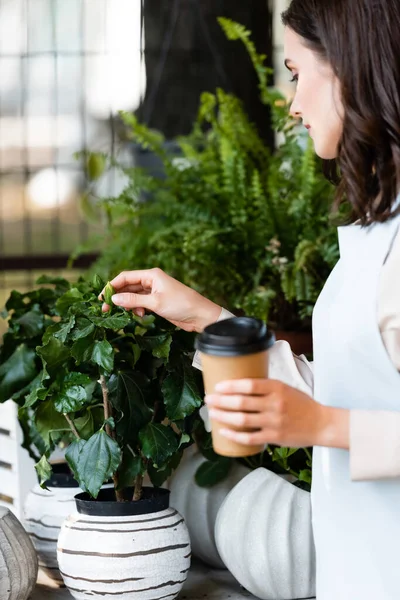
(153, 500)
(61, 477)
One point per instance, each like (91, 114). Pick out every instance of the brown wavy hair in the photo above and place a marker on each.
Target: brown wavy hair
(360, 39)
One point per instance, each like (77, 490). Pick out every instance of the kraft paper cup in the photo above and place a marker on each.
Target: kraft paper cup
(235, 348)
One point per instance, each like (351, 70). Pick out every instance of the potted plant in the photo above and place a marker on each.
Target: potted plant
(256, 506)
(263, 533)
(246, 226)
(124, 390)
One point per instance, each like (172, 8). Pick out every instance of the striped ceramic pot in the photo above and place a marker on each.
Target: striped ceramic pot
(264, 536)
(18, 560)
(126, 550)
(44, 513)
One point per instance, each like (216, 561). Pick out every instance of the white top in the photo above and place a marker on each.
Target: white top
(374, 435)
(356, 525)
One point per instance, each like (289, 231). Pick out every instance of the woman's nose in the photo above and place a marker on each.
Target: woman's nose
(295, 110)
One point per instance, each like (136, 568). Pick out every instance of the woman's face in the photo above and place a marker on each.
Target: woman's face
(317, 100)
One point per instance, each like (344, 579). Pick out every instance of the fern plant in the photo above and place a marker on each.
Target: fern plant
(246, 226)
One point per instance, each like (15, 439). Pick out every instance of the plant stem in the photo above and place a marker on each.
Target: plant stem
(308, 453)
(137, 494)
(106, 406)
(72, 426)
(107, 414)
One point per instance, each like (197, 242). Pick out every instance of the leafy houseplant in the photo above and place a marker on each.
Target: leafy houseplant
(246, 226)
(120, 390)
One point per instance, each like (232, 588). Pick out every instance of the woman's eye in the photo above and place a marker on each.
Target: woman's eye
(294, 78)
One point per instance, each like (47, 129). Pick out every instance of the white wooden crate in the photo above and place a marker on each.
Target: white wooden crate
(17, 472)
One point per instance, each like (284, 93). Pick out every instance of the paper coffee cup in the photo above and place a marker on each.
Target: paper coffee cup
(235, 348)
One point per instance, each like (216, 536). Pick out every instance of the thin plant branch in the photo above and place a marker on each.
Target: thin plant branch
(107, 414)
(72, 426)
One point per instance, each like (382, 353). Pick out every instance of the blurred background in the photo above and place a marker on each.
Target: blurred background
(67, 67)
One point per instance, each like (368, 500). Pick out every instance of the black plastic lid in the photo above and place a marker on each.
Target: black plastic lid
(235, 337)
(153, 500)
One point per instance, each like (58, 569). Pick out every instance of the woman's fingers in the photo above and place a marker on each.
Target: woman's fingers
(241, 420)
(126, 278)
(136, 289)
(243, 403)
(250, 438)
(249, 386)
(130, 300)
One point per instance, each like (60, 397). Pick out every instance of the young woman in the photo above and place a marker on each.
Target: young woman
(345, 57)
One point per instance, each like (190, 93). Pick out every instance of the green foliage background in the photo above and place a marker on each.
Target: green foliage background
(246, 226)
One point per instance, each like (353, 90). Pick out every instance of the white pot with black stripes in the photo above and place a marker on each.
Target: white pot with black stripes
(45, 510)
(132, 550)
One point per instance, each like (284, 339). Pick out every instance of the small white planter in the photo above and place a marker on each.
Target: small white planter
(264, 535)
(44, 513)
(18, 560)
(130, 550)
(199, 506)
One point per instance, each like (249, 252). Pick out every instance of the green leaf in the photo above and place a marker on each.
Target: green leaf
(130, 467)
(32, 322)
(54, 355)
(44, 471)
(59, 330)
(162, 351)
(136, 351)
(128, 394)
(159, 442)
(283, 453)
(85, 425)
(23, 392)
(70, 399)
(72, 456)
(140, 330)
(158, 345)
(181, 396)
(97, 283)
(60, 283)
(185, 439)
(48, 420)
(76, 378)
(89, 350)
(82, 329)
(82, 349)
(31, 439)
(15, 301)
(98, 460)
(18, 370)
(95, 165)
(103, 355)
(305, 475)
(38, 393)
(212, 472)
(115, 322)
(158, 475)
(68, 299)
